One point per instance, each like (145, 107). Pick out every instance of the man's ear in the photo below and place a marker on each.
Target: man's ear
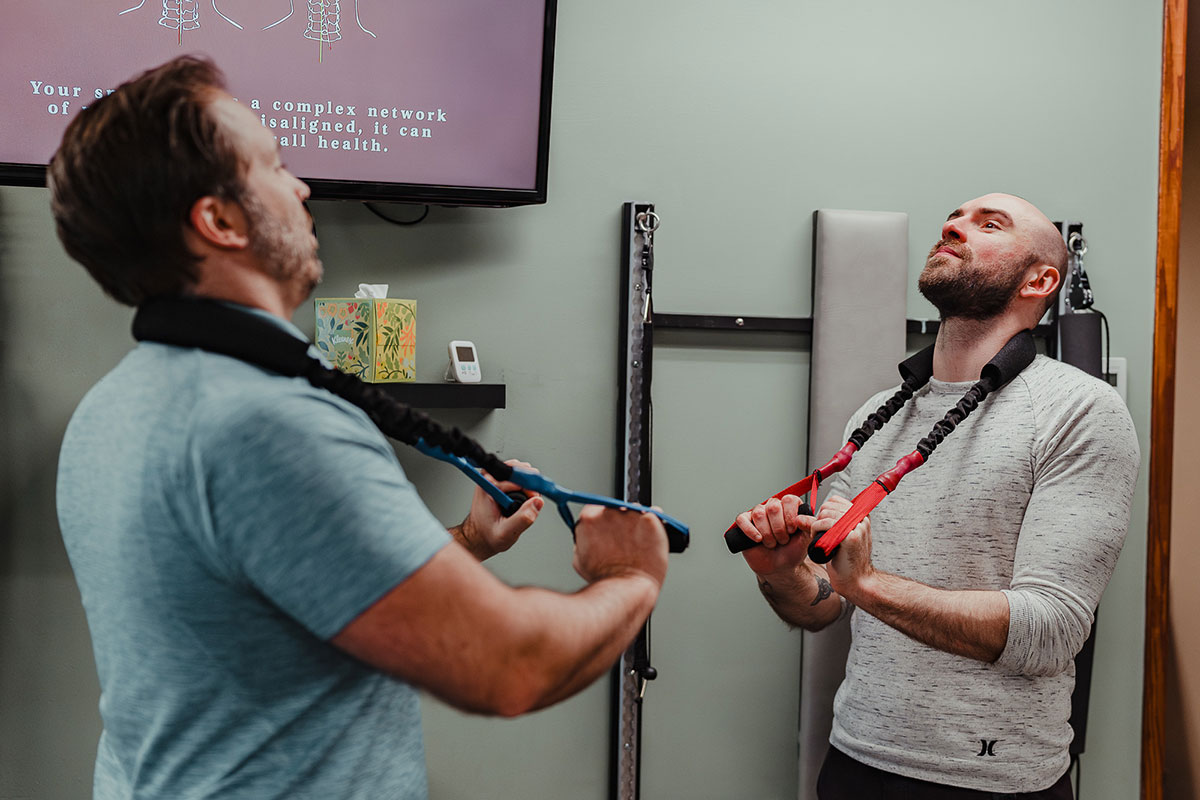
(220, 223)
(1040, 282)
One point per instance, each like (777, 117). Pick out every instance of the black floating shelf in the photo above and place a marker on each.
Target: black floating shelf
(447, 395)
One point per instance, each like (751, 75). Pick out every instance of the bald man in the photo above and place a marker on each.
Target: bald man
(974, 586)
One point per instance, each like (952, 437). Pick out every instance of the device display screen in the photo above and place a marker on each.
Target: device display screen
(465, 354)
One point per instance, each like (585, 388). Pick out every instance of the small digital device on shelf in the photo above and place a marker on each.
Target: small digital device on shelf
(464, 363)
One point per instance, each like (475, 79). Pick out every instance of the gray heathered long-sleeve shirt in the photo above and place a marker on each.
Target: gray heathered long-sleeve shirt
(1029, 496)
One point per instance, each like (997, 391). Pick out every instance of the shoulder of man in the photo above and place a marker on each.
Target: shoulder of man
(1066, 390)
(1069, 405)
(241, 399)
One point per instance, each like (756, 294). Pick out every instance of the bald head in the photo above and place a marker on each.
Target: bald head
(997, 253)
(1042, 236)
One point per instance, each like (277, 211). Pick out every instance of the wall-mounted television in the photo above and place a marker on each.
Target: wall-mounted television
(426, 101)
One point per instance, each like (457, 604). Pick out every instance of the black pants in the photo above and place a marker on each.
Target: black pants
(843, 778)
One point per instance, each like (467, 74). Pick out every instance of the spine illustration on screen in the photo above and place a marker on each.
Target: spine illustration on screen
(324, 20)
(182, 15)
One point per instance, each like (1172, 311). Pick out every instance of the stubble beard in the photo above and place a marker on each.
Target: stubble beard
(964, 291)
(285, 255)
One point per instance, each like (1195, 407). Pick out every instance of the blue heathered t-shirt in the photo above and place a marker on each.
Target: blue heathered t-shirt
(223, 523)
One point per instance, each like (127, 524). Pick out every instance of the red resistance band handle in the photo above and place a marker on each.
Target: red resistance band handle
(823, 548)
(840, 460)
(737, 541)
(904, 466)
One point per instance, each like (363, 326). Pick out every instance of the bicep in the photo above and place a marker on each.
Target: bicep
(310, 508)
(447, 628)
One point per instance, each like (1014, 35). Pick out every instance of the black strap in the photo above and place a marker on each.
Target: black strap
(218, 328)
(213, 326)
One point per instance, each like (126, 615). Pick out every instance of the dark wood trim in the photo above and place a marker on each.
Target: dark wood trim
(1162, 401)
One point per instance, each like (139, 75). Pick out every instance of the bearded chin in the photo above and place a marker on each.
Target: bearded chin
(965, 293)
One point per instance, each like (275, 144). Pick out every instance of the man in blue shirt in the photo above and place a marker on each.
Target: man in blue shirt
(265, 589)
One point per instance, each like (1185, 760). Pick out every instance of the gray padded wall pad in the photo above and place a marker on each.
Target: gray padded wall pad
(860, 277)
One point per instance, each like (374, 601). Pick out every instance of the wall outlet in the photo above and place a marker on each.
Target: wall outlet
(1116, 375)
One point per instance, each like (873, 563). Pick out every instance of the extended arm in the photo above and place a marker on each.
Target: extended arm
(456, 630)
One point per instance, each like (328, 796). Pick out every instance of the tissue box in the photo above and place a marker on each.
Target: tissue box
(373, 338)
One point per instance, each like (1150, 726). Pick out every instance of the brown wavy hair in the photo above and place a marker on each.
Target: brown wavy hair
(130, 168)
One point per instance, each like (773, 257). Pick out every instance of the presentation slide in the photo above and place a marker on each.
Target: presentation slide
(442, 92)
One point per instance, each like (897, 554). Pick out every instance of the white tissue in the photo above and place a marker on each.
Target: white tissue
(377, 290)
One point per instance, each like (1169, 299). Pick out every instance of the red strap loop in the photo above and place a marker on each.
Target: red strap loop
(822, 548)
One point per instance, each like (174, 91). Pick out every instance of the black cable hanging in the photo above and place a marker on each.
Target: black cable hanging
(371, 207)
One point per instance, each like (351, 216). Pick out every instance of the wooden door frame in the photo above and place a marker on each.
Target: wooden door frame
(1162, 400)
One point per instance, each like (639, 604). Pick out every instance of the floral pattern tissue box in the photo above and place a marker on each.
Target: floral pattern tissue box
(373, 338)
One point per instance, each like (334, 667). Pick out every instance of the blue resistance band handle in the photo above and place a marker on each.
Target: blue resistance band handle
(509, 502)
(678, 534)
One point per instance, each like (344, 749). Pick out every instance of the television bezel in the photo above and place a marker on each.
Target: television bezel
(18, 174)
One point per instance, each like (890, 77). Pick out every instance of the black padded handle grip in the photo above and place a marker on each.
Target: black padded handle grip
(677, 539)
(819, 556)
(737, 541)
(518, 499)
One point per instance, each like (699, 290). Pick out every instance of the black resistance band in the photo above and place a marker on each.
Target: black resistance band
(219, 328)
(1014, 357)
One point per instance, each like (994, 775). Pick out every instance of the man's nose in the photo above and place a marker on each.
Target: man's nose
(952, 230)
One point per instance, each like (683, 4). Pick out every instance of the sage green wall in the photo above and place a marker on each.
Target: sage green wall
(737, 120)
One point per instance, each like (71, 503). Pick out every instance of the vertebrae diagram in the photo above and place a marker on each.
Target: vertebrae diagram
(324, 18)
(182, 15)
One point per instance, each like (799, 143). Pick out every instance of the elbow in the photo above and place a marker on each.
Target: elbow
(1034, 664)
(508, 698)
(1046, 667)
(1056, 652)
(519, 694)
(517, 682)
(812, 626)
(1046, 645)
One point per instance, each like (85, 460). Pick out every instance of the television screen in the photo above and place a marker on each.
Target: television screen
(432, 101)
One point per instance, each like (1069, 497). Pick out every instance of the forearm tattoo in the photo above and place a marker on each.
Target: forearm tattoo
(824, 589)
(768, 591)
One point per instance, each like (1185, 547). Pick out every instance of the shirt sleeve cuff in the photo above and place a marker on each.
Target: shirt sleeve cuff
(1020, 633)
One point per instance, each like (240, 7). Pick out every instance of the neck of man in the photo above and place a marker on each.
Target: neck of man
(239, 283)
(965, 346)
